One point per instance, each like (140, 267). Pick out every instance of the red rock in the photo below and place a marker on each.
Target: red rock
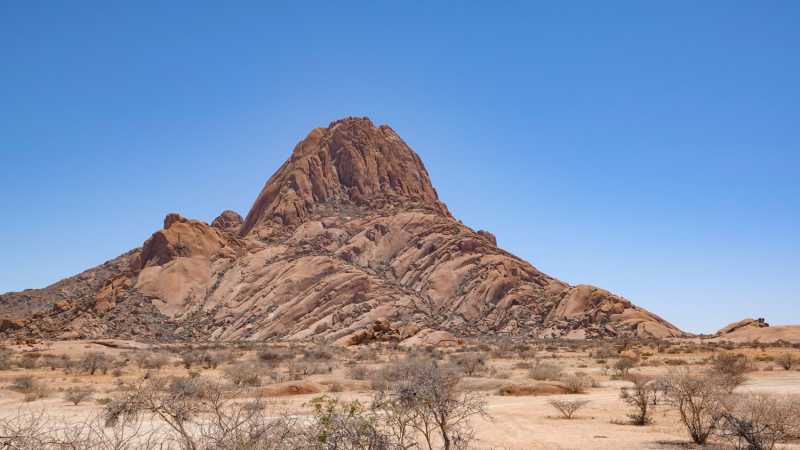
(347, 238)
(228, 221)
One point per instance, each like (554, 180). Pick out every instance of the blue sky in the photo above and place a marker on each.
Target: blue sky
(649, 148)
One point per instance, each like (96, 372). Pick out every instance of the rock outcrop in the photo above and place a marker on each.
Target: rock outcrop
(228, 221)
(745, 324)
(349, 231)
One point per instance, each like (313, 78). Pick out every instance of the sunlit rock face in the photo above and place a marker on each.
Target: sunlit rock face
(349, 231)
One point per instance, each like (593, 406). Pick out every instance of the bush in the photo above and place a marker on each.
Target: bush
(149, 360)
(5, 357)
(698, 397)
(304, 367)
(639, 397)
(786, 361)
(470, 362)
(274, 357)
(202, 359)
(78, 395)
(623, 365)
(246, 373)
(567, 407)
(24, 383)
(359, 372)
(92, 362)
(758, 421)
(544, 371)
(576, 384)
(734, 366)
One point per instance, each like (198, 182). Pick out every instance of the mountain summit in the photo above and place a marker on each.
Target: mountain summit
(351, 160)
(349, 231)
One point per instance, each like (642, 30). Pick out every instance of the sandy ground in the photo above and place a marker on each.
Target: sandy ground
(522, 422)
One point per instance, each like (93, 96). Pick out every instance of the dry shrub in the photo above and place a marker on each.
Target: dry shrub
(786, 360)
(624, 364)
(567, 407)
(305, 367)
(639, 397)
(93, 362)
(732, 365)
(576, 384)
(78, 395)
(758, 421)
(274, 356)
(366, 354)
(470, 362)
(359, 372)
(698, 397)
(23, 383)
(544, 371)
(199, 358)
(245, 373)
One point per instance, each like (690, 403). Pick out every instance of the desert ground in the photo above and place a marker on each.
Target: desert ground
(501, 374)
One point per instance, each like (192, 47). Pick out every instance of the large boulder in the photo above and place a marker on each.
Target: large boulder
(432, 337)
(228, 221)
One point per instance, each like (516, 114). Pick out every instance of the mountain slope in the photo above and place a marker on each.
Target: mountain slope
(349, 230)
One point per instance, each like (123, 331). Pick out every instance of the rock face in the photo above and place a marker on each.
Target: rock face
(745, 324)
(228, 221)
(349, 231)
(350, 160)
(22, 304)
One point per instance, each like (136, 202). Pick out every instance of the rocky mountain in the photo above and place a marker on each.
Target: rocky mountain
(348, 231)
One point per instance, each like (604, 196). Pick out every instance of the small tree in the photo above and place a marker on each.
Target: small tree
(639, 397)
(470, 362)
(623, 365)
(575, 384)
(78, 395)
(698, 397)
(758, 421)
(92, 362)
(567, 407)
(786, 361)
(247, 373)
(422, 393)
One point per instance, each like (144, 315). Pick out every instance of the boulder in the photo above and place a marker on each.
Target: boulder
(435, 338)
(228, 221)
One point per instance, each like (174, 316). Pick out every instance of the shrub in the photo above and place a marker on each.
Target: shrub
(786, 361)
(200, 358)
(576, 384)
(623, 365)
(92, 362)
(698, 397)
(638, 397)
(731, 365)
(758, 421)
(545, 371)
(274, 357)
(567, 407)
(246, 373)
(24, 383)
(5, 357)
(470, 362)
(78, 395)
(359, 372)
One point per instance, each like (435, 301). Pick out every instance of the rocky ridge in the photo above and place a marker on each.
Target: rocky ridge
(349, 231)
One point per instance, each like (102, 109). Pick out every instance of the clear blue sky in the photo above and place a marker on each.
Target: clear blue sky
(649, 148)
